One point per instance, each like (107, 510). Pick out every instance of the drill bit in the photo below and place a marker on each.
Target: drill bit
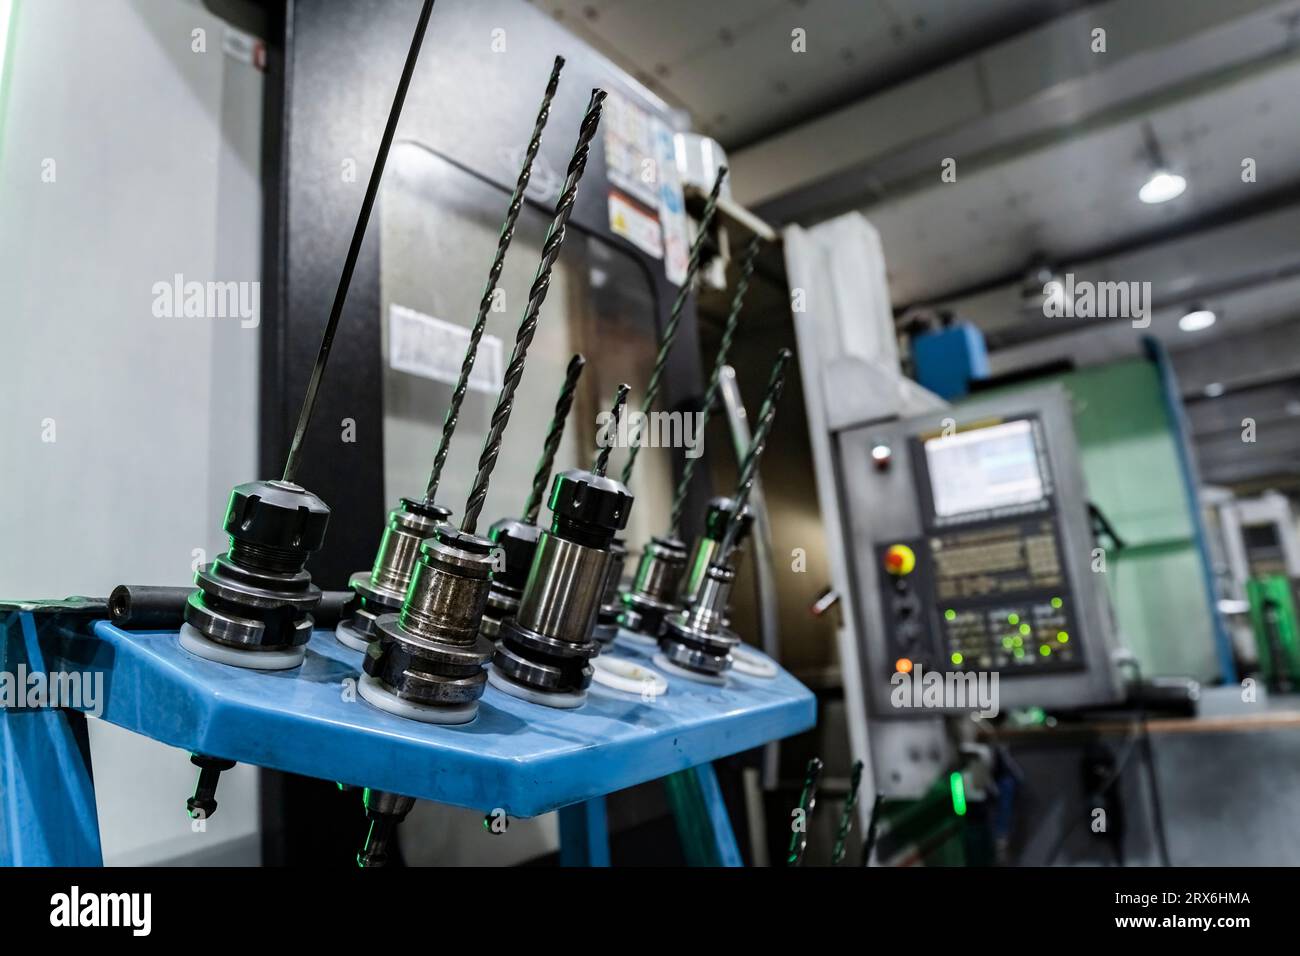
(749, 467)
(873, 824)
(807, 803)
(553, 435)
(675, 318)
(294, 458)
(715, 380)
(494, 274)
(602, 457)
(846, 818)
(528, 324)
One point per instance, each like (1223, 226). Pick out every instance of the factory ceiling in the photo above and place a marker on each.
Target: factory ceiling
(1051, 141)
(855, 49)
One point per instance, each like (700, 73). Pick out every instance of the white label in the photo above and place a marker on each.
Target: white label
(672, 207)
(630, 163)
(419, 344)
(635, 225)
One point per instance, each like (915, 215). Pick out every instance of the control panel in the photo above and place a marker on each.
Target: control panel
(973, 553)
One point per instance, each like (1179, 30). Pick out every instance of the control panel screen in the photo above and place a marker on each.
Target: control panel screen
(984, 469)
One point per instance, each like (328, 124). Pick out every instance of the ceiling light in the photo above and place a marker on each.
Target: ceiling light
(1214, 390)
(1164, 184)
(1197, 319)
(1162, 187)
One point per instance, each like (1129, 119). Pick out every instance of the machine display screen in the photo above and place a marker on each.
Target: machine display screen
(984, 469)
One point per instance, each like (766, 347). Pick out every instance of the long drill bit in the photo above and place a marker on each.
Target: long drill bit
(846, 818)
(553, 435)
(749, 467)
(807, 803)
(528, 324)
(715, 379)
(494, 274)
(602, 457)
(873, 824)
(674, 320)
(294, 458)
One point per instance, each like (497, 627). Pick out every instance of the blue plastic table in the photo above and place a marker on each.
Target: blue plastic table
(518, 756)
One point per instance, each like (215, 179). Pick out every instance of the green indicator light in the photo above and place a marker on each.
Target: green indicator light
(1008, 643)
(957, 658)
(1045, 650)
(1025, 629)
(1013, 619)
(1019, 652)
(958, 787)
(1057, 602)
(1018, 641)
(950, 615)
(1063, 637)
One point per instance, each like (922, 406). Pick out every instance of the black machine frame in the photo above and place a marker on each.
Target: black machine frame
(331, 69)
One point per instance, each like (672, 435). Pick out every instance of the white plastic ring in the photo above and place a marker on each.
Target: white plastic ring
(753, 664)
(193, 641)
(631, 678)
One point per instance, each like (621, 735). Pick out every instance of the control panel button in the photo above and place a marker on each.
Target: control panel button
(900, 559)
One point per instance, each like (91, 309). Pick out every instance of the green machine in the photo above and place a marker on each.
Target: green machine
(1273, 618)
(1132, 444)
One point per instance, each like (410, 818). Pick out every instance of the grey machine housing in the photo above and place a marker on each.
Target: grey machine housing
(856, 395)
(887, 504)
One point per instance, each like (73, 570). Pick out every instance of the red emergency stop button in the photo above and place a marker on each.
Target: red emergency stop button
(900, 559)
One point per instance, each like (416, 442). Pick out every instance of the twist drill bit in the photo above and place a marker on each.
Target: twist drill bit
(697, 640)
(553, 435)
(294, 458)
(846, 817)
(382, 589)
(613, 612)
(528, 324)
(428, 661)
(516, 538)
(652, 592)
(757, 443)
(607, 446)
(494, 274)
(675, 317)
(715, 379)
(873, 825)
(807, 804)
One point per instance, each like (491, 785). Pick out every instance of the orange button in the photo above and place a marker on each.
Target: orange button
(900, 559)
(903, 665)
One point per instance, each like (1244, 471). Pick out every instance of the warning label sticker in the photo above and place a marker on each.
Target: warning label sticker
(634, 223)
